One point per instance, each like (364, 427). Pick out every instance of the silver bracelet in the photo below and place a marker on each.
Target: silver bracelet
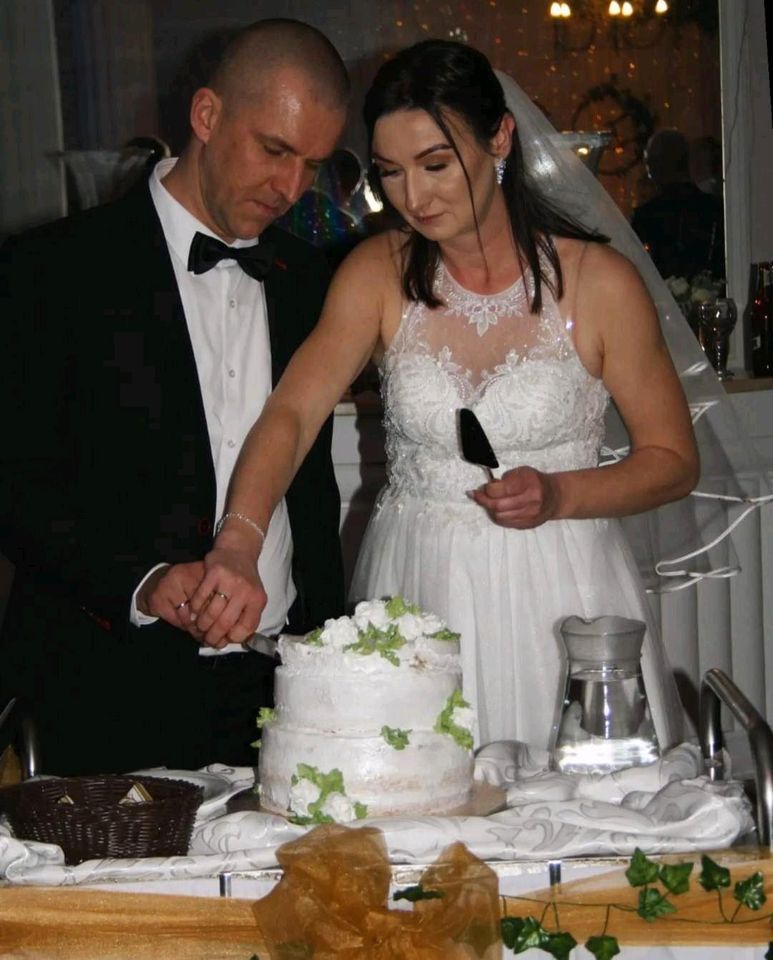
(240, 516)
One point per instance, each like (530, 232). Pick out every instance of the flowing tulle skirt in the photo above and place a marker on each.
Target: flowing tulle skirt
(506, 592)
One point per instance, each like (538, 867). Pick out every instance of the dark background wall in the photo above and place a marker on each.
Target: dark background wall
(128, 67)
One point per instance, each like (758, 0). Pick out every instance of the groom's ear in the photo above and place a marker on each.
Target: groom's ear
(206, 107)
(502, 141)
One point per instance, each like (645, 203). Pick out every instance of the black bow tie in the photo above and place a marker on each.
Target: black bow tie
(206, 251)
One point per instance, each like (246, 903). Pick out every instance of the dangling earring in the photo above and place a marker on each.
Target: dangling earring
(499, 170)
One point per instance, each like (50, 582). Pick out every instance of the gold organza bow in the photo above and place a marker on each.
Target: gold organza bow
(332, 903)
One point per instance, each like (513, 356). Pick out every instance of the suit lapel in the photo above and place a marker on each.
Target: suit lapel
(160, 316)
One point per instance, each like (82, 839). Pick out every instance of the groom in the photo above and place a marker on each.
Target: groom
(140, 342)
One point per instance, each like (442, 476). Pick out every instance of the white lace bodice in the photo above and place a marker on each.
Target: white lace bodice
(518, 371)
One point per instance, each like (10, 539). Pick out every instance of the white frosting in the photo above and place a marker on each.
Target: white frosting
(431, 775)
(339, 693)
(332, 704)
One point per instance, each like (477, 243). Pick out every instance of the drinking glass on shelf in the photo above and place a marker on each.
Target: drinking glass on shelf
(716, 320)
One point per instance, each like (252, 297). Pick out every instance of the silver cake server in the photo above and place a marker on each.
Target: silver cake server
(260, 643)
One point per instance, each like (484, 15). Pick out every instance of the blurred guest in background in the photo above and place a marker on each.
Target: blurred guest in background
(706, 165)
(681, 226)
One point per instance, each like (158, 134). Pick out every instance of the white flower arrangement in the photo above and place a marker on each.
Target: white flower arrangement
(340, 633)
(382, 627)
(371, 613)
(689, 293)
(318, 797)
(339, 807)
(303, 793)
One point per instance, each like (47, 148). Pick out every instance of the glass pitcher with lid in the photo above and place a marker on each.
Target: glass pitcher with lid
(604, 720)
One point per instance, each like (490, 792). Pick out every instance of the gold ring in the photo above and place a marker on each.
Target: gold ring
(223, 596)
(182, 604)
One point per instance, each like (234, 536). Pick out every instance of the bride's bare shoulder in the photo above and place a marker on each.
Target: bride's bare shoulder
(594, 265)
(375, 259)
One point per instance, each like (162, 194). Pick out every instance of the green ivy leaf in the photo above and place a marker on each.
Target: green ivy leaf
(314, 638)
(510, 928)
(675, 877)
(531, 934)
(559, 945)
(602, 948)
(445, 634)
(751, 892)
(396, 737)
(642, 870)
(360, 810)
(652, 904)
(712, 876)
(417, 893)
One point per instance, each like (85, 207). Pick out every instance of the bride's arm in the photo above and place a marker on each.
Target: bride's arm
(323, 367)
(618, 339)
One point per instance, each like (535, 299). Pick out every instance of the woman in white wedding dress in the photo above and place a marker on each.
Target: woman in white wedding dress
(488, 298)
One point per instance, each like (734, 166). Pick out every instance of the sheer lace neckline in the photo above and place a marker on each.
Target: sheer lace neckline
(482, 310)
(520, 283)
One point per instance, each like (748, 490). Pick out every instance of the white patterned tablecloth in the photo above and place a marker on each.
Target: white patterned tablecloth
(666, 807)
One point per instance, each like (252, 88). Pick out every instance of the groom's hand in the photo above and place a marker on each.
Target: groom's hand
(167, 593)
(230, 599)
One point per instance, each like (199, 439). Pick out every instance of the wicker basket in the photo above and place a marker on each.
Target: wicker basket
(96, 824)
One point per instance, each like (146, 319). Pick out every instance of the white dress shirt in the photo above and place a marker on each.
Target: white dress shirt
(225, 311)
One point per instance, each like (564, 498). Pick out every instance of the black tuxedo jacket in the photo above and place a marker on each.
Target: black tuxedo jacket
(105, 463)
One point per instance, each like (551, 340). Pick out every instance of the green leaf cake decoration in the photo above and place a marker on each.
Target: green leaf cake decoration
(397, 607)
(383, 642)
(447, 723)
(395, 737)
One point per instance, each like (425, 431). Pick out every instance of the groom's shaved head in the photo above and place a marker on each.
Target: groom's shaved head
(260, 50)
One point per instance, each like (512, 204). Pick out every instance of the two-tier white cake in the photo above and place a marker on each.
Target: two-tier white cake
(369, 719)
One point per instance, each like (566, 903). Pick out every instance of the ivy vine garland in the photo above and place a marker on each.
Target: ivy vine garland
(657, 883)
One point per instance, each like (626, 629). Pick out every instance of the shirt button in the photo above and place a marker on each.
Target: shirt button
(232, 304)
(232, 374)
(231, 443)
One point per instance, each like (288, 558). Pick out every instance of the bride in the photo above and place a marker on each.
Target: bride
(488, 297)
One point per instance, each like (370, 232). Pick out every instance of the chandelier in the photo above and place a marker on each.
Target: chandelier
(578, 24)
(613, 9)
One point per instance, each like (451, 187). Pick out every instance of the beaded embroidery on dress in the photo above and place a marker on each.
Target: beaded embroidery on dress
(504, 590)
(520, 373)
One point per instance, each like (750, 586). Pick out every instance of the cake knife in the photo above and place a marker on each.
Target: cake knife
(475, 444)
(260, 643)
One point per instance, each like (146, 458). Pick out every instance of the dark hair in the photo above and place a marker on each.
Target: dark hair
(440, 77)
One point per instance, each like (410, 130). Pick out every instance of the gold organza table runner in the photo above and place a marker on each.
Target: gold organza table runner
(333, 897)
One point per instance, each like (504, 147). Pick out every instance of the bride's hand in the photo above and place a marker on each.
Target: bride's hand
(230, 599)
(523, 498)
